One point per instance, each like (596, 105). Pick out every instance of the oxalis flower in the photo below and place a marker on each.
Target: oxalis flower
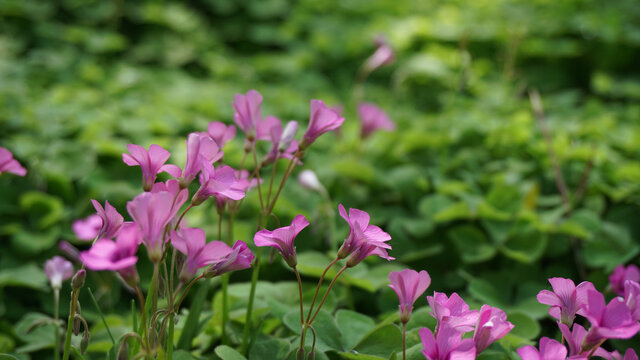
(363, 239)
(238, 258)
(620, 275)
(630, 354)
(87, 228)
(111, 219)
(153, 211)
(221, 133)
(199, 148)
(192, 243)
(282, 143)
(382, 56)
(452, 311)
(549, 350)
(373, 118)
(447, 345)
(321, 120)
(566, 300)
(152, 162)
(632, 298)
(247, 111)
(118, 255)
(9, 164)
(218, 182)
(408, 285)
(282, 239)
(492, 325)
(575, 339)
(613, 321)
(58, 269)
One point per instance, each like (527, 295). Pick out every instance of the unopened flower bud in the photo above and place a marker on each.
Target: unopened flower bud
(84, 343)
(123, 352)
(77, 282)
(76, 326)
(308, 179)
(300, 354)
(312, 355)
(288, 135)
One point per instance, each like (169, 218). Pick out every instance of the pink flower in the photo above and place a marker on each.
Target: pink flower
(69, 250)
(192, 243)
(58, 269)
(382, 56)
(408, 285)
(87, 228)
(492, 325)
(111, 219)
(118, 255)
(283, 144)
(151, 162)
(199, 148)
(241, 185)
(373, 118)
(240, 257)
(632, 298)
(217, 182)
(452, 311)
(153, 211)
(549, 350)
(363, 239)
(575, 339)
(613, 321)
(447, 346)
(9, 164)
(630, 354)
(620, 275)
(221, 133)
(321, 120)
(282, 239)
(566, 300)
(247, 111)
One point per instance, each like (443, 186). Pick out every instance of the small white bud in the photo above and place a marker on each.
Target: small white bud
(309, 180)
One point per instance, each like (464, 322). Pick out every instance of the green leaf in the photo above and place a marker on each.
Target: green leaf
(272, 348)
(43, 209)
(29, 275)
(524, 326)
(38, 338)
(329, 336)
(525, 245)
(227, 353)
(353, 356)
(473, 245)
(353, 326)
(382, 341)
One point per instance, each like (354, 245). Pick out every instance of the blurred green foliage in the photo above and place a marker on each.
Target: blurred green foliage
(465, 185)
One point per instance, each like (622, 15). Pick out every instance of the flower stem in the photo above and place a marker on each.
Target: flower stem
(170, 337)
(225, 306)
(252, 295)
(182, 215)
(324, 273)
(273, 175)
(56, 314)
(404, 341)
(295, 269)
(257, 173)
(72, 314)
(324, 298)
(184, 293)
(287, 172)
(104, 321)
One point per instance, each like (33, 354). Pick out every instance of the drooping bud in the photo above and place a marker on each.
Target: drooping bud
(77, 282)
(288, 135)
(312, 355)
(308, 179)
(300, 354)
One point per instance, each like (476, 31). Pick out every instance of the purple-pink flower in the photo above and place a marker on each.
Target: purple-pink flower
(153, 211)
(58, 269)
(363, 239)
(282, 239)
(321, 120)
(151, 162)
(221, 133)
(610, 321)
(192, 243)
(447, 345)
(632, 298)
(241, 185)
(620, 275)
(452, 311)
(111, 219)
(373, 118)
(549, 350)
(382, 56)
(199, 148)
(118, 255)
(218, 182)
(283, 144)
(630, 354)
(492, 325)
(9, 164)
(247, 111)
(239, 258)
(408, 285)
(87, 228)
(566, 300)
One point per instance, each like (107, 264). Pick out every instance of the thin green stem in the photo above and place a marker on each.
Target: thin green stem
(182, 215)
(72, 314)
(104, 321)
(273, 175)
(404, 341)
(324, 298)
(225, 306)
(295, 269)
(596, 348)
(257, 171)
(56, 328)
(143, 317)
(156, 283)
(287, 172)
(170, 337)
(252, 294)
(324, 273)
(184, 293)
